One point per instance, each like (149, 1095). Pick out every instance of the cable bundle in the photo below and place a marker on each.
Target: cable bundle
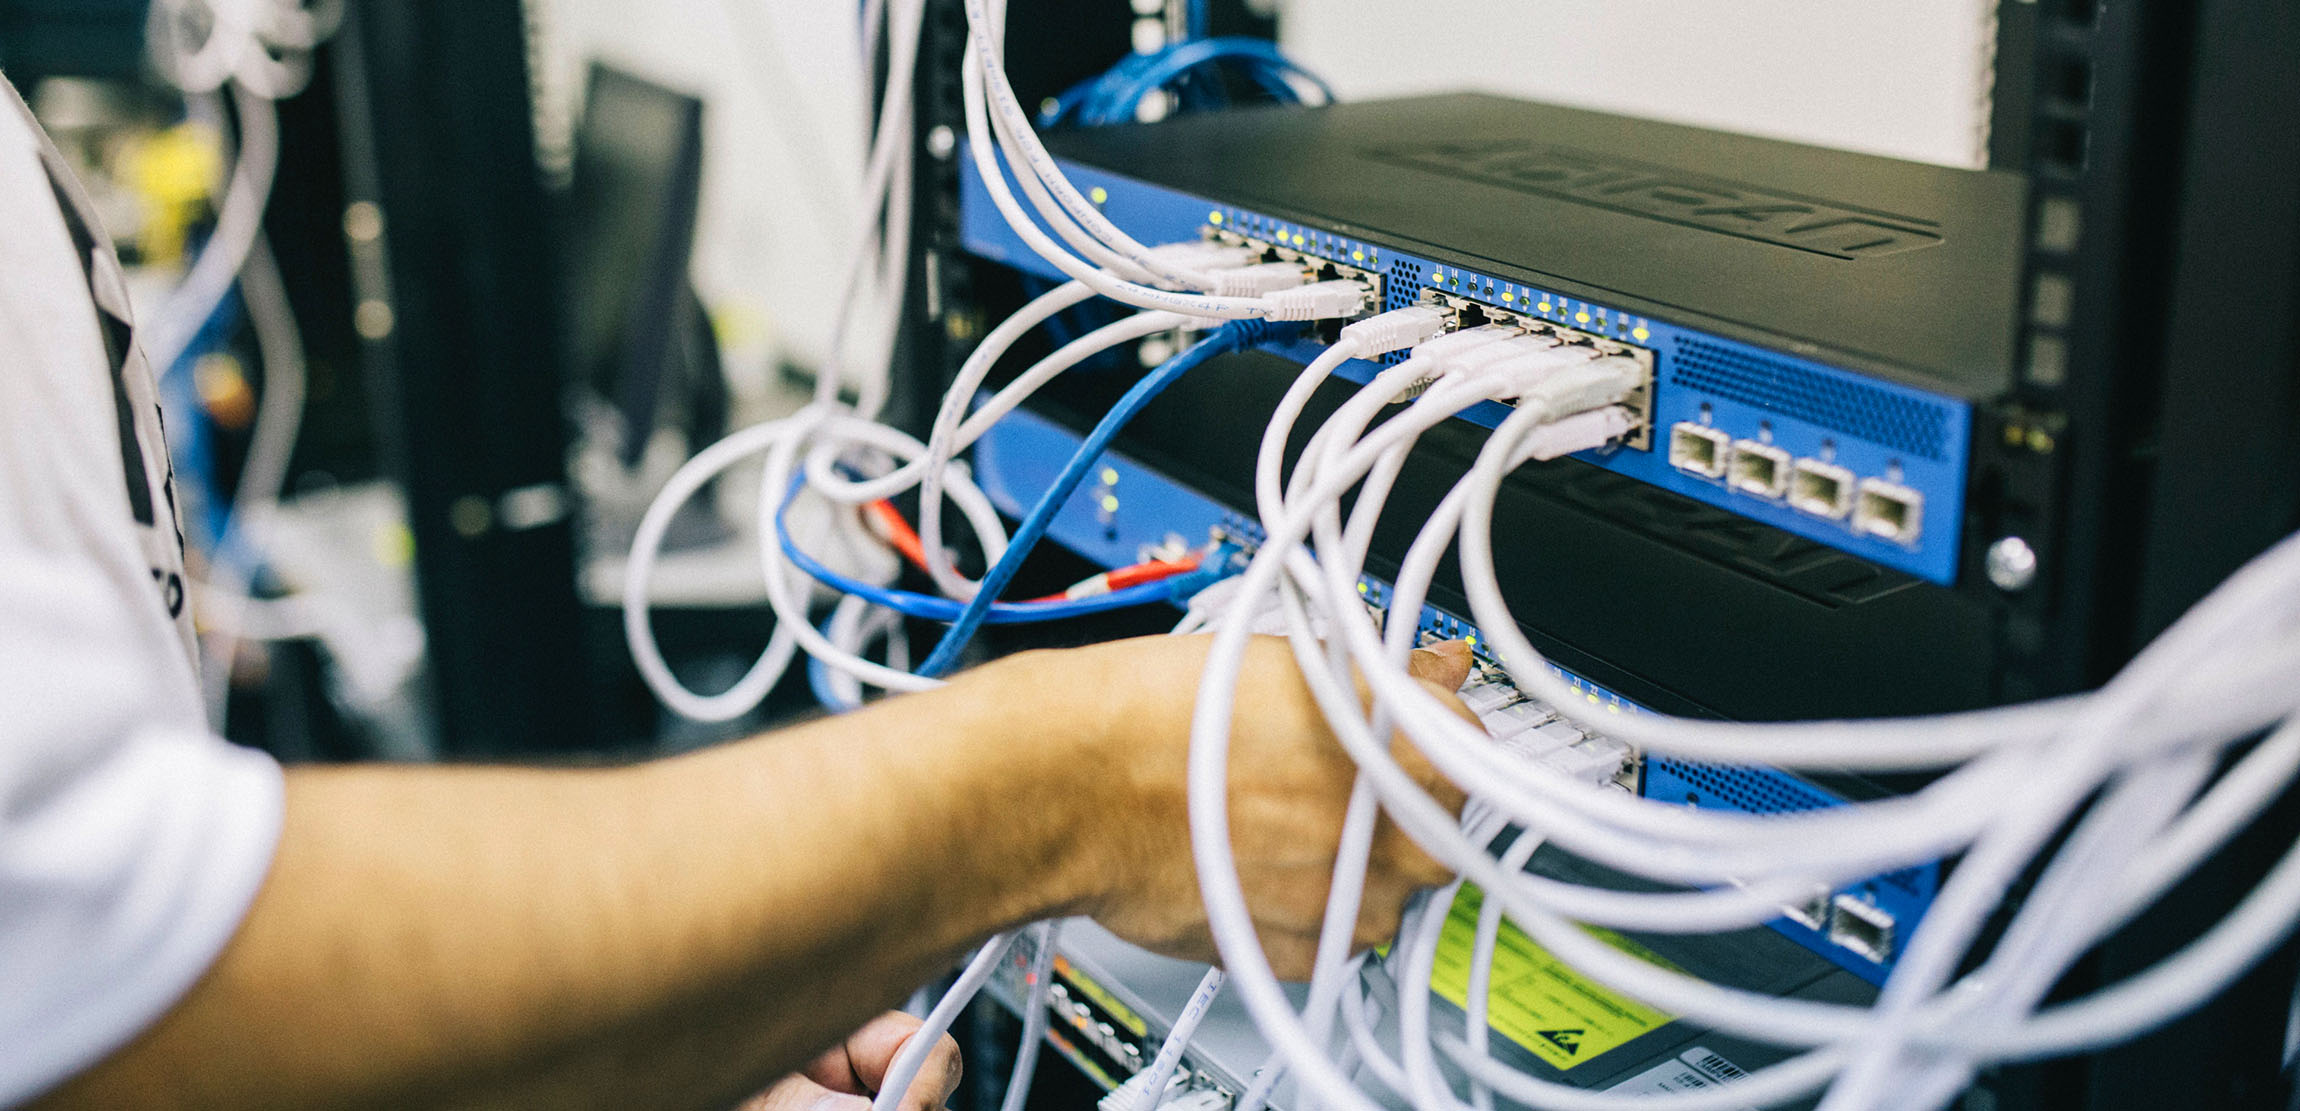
(2143, 752)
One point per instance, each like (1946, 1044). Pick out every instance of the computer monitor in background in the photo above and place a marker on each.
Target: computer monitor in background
(638, 336)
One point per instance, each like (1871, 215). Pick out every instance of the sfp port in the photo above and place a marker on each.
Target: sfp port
(1699, 449)
(1761, 470)
(1813, 913)
(1821, 489)
(1862, 927)
(1889, 511)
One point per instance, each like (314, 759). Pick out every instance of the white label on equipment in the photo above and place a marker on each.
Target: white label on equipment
(1692, 1070)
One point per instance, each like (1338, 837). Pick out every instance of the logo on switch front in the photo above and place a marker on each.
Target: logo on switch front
(1672, 195)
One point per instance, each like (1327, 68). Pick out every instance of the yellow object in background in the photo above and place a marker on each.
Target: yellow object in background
(1538, 1001)
(224, 391)
(174, 173)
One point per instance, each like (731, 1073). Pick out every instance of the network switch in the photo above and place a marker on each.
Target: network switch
(1856, 335)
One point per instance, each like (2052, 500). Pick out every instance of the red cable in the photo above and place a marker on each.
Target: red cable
(899, 533)
(905, 539)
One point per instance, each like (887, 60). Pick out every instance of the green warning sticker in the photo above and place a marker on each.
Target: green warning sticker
(1539, 1001)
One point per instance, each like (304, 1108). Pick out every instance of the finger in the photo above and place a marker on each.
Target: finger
(1425, 773)
(1378, 920)
(872, 1050)
(1446, 664)
(1294, 957)
(797, 1093)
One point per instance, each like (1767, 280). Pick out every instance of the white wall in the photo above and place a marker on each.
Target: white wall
(782, 78)
(1901, 77)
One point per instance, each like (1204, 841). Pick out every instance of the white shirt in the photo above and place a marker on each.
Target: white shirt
(131, 839)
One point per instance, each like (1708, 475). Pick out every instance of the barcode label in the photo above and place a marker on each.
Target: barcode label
(1692, 1070)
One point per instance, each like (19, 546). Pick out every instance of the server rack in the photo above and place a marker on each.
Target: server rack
(2149, 444)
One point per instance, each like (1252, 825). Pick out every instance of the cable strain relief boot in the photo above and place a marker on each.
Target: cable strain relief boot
(1398, 329)
(1319, 301)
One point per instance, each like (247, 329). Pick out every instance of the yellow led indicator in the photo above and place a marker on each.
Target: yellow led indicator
(1110, 505)
(1100, 195)
(1110, 476)
(1364, 589)
(1593, 696)
(1642, 334)
(1544, 306)
(1470, 640)
(1614, 708)
(1581, 318)
(1357, 256)
(1214, 218)
(1510, 298)
(1299, 240)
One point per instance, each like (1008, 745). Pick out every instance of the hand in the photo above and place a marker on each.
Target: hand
(847, 1077)
(1290, 785)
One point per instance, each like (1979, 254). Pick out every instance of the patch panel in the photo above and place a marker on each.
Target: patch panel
(1914, 443)
(1858, 927)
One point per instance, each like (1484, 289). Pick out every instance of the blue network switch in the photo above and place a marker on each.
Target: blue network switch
(1869, 467)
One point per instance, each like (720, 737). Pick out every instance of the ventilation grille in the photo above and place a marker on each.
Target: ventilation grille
(1762, 792)
(1906, 424)
(1402, 289)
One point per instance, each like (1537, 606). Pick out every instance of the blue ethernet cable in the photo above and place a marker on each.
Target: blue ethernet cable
(1114, 96)
(1263, 60)
(1236, 335)
(932, 608)
(819, 682)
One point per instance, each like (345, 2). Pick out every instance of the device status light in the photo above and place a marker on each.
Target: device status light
(1215, 218)
(1100, 195)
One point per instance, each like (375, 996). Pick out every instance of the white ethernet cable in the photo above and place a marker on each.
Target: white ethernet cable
(907, 1063)
(879, 264)
(271, 445)
(951, 426)
(1161, 1071)
(262, 45)
(988, 91)
(1296, 304)
(176, 321)
(1803, 1074)
(1034, 1016)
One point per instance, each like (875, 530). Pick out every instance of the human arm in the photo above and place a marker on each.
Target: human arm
(674, 935)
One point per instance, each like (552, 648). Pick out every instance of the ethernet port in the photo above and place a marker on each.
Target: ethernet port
(1821, 489)
(1863, 927)
(1699, 449)
(1889, 511)
(1813, 913)
(1759, 469)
